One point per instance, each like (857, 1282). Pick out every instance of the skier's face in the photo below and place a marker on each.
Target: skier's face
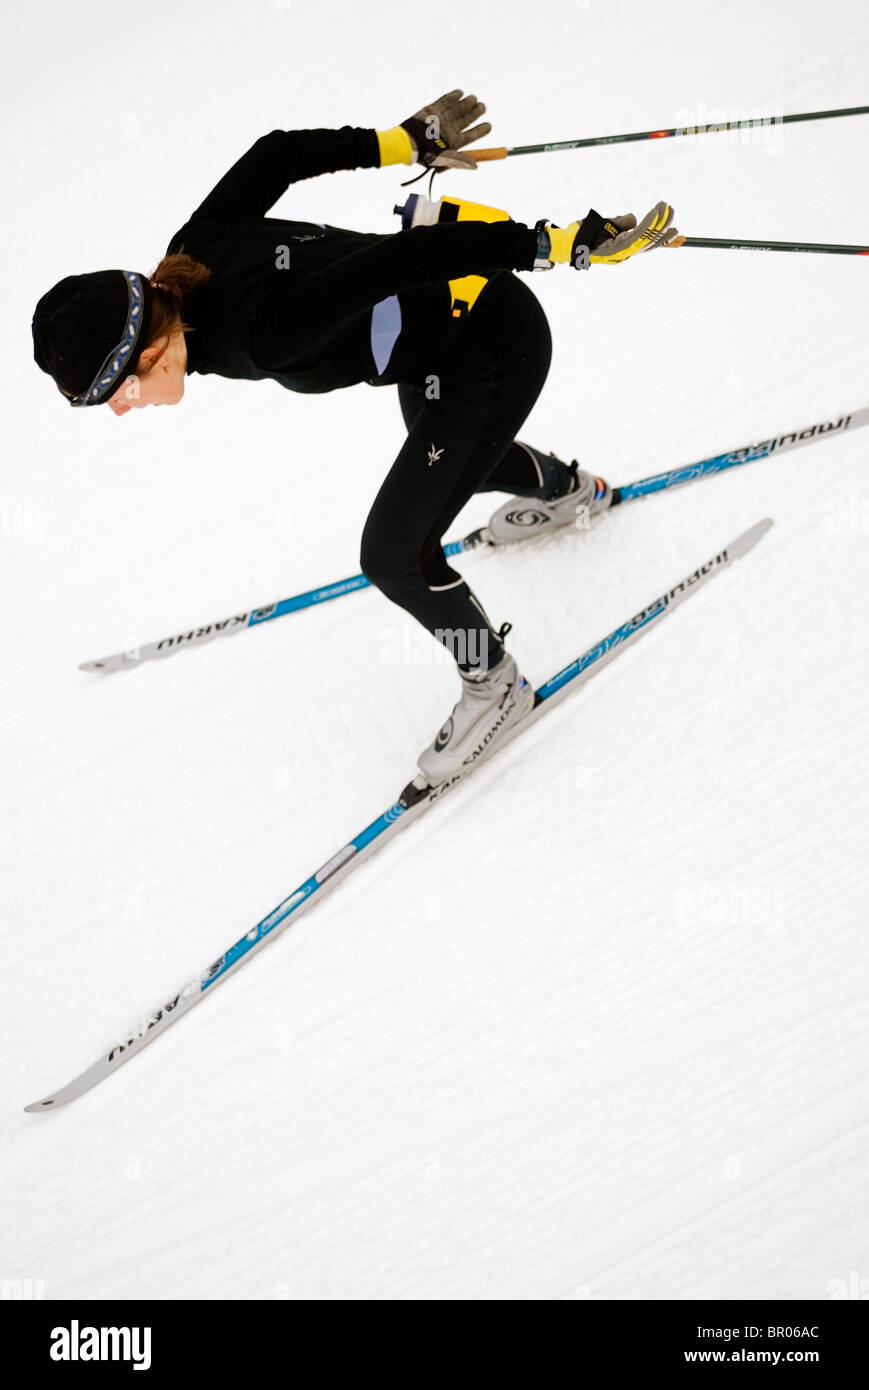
(159, 380)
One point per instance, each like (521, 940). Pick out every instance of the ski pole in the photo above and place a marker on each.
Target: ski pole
(751, 123)
(828, 248)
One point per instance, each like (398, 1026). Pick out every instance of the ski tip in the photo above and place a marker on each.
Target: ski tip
(111, 663)
(750, 538)
(38, 1107)
(62, 1097)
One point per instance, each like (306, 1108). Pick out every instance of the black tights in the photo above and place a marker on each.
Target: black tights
(462, 420)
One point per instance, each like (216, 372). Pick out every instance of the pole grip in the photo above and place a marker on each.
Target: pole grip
(480, 155)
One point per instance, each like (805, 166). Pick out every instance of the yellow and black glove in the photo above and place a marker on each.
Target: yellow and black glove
(436, 134)
(598, 240)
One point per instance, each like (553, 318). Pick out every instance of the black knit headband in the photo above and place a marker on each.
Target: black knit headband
(120, 357)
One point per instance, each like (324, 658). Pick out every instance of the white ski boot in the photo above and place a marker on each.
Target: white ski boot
(523, 517)
(491, 703)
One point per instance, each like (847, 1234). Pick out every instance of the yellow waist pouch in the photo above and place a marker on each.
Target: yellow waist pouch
(419, 211)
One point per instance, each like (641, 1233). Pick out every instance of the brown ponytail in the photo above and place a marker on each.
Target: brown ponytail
(175, 278)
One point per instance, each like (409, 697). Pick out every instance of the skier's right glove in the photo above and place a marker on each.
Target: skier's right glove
(604, 241)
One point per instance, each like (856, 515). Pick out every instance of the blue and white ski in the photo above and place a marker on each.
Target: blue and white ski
(658, 482)
(411, 804)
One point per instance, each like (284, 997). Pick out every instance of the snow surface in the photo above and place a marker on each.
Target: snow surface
(597, 1027)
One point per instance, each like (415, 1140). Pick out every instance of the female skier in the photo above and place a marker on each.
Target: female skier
(346, 307)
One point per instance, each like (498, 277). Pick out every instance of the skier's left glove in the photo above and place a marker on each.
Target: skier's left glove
(436, 134)
(603, 241)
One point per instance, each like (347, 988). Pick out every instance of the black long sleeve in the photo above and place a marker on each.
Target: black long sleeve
(256, 181)
(320, 306)
(292, 301)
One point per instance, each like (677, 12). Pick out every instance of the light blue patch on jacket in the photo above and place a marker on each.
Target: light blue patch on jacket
(385, 328)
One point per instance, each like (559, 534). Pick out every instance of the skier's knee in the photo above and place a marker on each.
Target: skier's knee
(386, 569)
(370, 560)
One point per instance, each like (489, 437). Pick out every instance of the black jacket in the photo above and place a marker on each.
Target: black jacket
(308, 326)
